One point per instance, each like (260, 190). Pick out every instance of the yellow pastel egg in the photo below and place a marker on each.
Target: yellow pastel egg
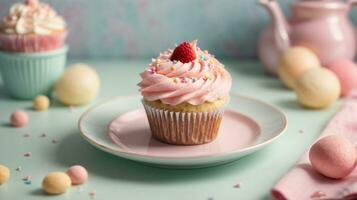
(294, 62)
(4, 174)
(40, 103)
(78, 85)
(317, 88)
(56, 183)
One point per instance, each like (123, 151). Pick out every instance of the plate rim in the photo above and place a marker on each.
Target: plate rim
(104, 147)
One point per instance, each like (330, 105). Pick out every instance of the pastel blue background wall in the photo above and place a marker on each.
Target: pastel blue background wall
(142, 28)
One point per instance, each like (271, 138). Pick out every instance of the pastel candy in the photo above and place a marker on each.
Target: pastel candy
(317, 88)
(78, 174)
(19, 118)
(294, 62)
(41, 103)
(78, 85)
(4, 174)
(56, 183)
(346, 72)
(333, 156)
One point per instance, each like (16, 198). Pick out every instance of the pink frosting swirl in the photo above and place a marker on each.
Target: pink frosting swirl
(203, 80)
(32, 17)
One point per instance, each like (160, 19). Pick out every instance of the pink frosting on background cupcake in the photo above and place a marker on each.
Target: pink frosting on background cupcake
(32, 27)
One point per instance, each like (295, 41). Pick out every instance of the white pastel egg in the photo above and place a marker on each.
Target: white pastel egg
(78, 85)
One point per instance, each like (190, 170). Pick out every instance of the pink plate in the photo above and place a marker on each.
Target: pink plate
(248, 125)
(131, 132)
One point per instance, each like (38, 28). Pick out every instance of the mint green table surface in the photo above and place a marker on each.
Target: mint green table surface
(116, 178)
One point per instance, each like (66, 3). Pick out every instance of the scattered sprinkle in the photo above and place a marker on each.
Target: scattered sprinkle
(43, 135)
(318, 194)
(173, 68)
(27, 154)
(236, 185)
(194, 79)
(153, 60)
(28, 182)
(93, 194)
(55, 141)
(26, 178)
(26, 135)
(19, 168)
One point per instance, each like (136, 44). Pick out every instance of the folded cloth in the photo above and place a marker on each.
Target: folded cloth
(302, 182)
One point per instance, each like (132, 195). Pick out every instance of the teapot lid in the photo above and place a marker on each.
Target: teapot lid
(321, 4)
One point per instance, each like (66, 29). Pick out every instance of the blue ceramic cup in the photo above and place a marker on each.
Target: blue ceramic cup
(26, 75)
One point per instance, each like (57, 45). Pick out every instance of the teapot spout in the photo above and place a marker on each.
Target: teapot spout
(352, 3)
(279, 23)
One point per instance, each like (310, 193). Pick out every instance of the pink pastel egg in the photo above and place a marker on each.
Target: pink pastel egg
(346, 72)
(19, 118)
(333, 156)
(78, 174)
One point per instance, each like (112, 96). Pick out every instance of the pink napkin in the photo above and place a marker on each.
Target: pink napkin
(303, 182)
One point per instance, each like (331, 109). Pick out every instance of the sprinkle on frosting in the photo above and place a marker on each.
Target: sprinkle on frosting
(318, 194)
(206, 76)
(32, 17)
(184, 80)
(32, 2)
(204, 79)
(152, 70)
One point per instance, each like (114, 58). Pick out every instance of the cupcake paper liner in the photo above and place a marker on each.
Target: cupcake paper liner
(26, 75)
(183, 128)
(32, 43)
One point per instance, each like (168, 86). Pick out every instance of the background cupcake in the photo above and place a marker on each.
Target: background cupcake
(32, 26)
(32, 50)
(184, 91)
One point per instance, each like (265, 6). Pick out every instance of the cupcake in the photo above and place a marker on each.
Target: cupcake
(32, 26)
(184, 92)
(32, 50)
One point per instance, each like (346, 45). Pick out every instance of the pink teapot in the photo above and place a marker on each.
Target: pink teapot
(320, 25)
